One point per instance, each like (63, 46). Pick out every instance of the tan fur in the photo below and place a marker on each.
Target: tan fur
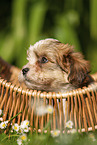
(64, 70)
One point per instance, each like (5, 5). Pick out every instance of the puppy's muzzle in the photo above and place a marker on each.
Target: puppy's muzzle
(25, 70)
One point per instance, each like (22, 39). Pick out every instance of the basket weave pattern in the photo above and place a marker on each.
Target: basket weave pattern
(80, 106)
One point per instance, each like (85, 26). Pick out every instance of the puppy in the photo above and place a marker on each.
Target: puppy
(54, 66)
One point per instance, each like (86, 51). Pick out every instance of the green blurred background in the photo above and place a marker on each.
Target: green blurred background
(23, 22)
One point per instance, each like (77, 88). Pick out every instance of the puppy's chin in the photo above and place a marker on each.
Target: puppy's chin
(35, 86)
(65, 88)
(30, 84)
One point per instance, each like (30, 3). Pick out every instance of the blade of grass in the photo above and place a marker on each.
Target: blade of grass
(7, 48)
(19, 28)
(93, 19)
(36, 20)
(14, 135)
(18, 18)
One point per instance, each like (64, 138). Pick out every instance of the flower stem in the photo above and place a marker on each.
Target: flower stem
(14, 116)
(8, 136)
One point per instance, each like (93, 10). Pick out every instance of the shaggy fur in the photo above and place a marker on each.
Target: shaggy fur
(54, 66)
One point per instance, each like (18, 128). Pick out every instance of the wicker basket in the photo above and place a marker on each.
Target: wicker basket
(80, 105)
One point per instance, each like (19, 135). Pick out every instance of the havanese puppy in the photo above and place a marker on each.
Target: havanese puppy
(54, 66)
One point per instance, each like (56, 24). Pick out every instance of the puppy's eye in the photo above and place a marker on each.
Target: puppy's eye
(44, 60)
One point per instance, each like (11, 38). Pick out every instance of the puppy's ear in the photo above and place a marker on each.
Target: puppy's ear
(79, 70)
(76, 66)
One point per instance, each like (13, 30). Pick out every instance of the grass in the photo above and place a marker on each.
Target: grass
(21, 134)
(47, 139)
(13, 135)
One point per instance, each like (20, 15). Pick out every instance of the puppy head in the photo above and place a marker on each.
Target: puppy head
(52, 66)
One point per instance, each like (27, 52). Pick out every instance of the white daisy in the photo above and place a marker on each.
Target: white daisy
(23, 137)
(26, 129)
(69, 124)
(49, 109)
(24, 124)
(19, 141)
(15, 127)
(73, 131)
(3, 125)
(40, 110)
(55, 133)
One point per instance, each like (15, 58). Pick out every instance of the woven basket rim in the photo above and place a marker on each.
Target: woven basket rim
(40, 94)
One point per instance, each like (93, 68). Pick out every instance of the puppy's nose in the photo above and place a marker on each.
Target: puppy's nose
(25, 70)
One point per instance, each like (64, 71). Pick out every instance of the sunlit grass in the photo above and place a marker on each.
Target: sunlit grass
(49, 139)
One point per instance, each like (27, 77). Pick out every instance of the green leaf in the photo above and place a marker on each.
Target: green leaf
(7, 49)
(93, 19)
